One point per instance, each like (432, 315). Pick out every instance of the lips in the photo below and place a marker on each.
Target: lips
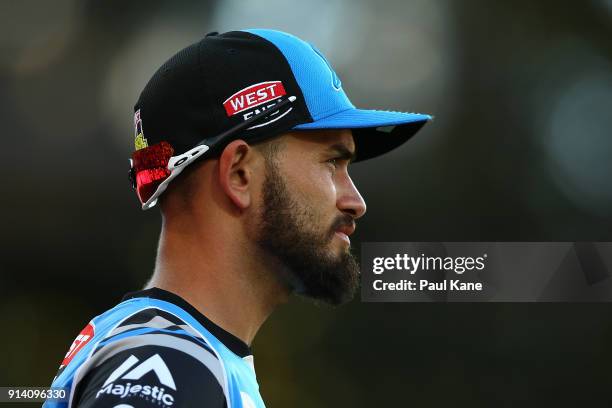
(346, 229)
(343, 227)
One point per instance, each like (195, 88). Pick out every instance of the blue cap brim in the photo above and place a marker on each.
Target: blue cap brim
(375, 132)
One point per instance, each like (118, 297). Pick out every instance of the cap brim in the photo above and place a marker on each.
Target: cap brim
(375, 132)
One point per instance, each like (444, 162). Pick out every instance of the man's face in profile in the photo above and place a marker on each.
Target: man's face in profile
(309, 205)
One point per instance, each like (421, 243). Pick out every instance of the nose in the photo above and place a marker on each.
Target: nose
(349, 200)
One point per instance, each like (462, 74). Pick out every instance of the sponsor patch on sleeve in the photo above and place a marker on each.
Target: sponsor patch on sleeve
(79, 342)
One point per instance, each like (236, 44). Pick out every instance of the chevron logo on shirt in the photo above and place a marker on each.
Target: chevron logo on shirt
(127, 371)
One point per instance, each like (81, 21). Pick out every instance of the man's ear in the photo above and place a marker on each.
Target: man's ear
(236, 173)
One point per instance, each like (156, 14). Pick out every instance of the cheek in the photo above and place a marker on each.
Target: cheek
(319, 188)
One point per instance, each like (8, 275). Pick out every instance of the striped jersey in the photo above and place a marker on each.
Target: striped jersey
(154, 349)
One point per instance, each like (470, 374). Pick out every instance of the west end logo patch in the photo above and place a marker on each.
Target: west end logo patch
(252, 96)
(257, 98)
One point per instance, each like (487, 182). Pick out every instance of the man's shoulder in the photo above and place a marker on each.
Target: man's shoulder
(152, 323)
(154, 326)
(152, 358)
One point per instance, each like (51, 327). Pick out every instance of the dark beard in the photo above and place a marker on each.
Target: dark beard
(286, 233)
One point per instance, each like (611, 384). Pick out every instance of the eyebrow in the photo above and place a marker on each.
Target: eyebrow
(343, 151)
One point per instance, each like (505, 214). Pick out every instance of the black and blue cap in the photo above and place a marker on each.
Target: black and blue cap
(251, 84)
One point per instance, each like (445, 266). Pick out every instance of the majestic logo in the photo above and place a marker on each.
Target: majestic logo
(139, 142)
(81, 340)
(125, 371)
(257, 98)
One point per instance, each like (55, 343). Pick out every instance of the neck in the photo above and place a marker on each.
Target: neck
(223, 279)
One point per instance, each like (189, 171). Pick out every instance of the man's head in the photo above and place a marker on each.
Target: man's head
(293, 201)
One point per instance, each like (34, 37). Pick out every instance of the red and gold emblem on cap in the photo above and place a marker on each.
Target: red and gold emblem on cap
(139, 140)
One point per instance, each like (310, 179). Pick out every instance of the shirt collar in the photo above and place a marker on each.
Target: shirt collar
(230, 341)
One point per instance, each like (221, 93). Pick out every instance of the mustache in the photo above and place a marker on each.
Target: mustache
(342, 221)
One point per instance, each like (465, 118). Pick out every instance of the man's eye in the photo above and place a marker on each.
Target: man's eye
(333, 162)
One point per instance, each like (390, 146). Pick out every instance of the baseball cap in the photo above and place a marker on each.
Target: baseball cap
(251, 84)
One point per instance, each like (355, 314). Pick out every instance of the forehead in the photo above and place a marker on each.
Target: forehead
(320, 140)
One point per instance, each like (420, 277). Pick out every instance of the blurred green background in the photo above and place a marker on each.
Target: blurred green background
(520, 150)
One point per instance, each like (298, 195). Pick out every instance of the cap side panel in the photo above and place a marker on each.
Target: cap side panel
(319, 83)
